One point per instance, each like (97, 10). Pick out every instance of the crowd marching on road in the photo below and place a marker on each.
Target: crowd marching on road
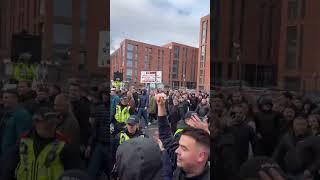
(116, 133)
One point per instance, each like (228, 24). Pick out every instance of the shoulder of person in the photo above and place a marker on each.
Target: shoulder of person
(62, 137)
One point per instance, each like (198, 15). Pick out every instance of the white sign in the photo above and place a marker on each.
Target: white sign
(151, 77)
(104, 49)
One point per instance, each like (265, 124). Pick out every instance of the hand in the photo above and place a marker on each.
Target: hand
(160, 145)
(145, 108)
(88, 152)
(274, 175)
(195, 122)
(160, 99)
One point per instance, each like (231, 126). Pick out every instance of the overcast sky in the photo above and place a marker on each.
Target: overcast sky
(157, 21)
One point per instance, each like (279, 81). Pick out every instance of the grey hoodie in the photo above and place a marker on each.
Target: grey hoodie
(139, 159)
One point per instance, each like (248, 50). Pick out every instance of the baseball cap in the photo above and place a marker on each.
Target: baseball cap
(124, 97)
(44, 114)
(133, 120)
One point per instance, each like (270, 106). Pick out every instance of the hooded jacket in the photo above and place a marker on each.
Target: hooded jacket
(139, 159)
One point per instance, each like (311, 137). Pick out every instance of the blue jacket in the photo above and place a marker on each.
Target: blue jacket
(114, 102)
(143, 101)
(13, 124)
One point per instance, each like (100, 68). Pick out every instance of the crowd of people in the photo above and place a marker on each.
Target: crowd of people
(102, 132)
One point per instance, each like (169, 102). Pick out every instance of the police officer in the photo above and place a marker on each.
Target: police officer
(131, 131)
(42, 153)
(123, 112)
(182, 123)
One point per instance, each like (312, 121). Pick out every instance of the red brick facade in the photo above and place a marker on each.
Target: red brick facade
(203, 74)
(70, 31)
(146, 57)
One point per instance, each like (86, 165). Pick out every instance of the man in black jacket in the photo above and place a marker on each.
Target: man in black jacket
(190, 156)
(288, 143)
(100, 142)
(81, 109)
(243, 133)
(267, 128)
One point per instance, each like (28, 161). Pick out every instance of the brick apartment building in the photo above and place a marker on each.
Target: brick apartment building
(69, 30)
(177, 62)
(247, 36)
(203, 73)
(275, 41)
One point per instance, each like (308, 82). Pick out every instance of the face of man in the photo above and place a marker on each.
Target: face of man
(300, 127)
(189, 153)
(9, 100)
(60, 105)
(288, 114)
(297, 103)
(23, 88)
(53, 91)
(132, 128)
(236, 98)
(313, 122)
(217, 104)
(74, 92)
(237, 114)
(175, 102)
(113, 93)
(45, 127)
(204, 101)
(124, 101)
(42, 96)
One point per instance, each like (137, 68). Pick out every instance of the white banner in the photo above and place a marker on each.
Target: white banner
(151, 77)
(104, 49)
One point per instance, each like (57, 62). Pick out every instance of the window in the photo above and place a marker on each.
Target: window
(174, 76)
(292, 9)
(301, 46)
(129, 55)
(129, 71)
(62, 8)
(176, 52)
(130, 47)
(204, 31)
(201, 65)
(62, 34)
(83, 22)
(292, 47)
(129, 63)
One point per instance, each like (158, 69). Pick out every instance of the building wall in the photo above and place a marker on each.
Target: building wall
(254, 27)
(303, 74)
(76, 25)
(187, 60)
(186, 74)
(204, 48)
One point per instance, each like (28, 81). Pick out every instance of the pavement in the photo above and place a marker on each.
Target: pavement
(151, 129)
